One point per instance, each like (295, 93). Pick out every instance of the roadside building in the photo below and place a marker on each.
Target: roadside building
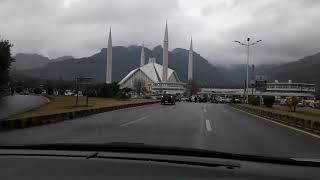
(278, 89)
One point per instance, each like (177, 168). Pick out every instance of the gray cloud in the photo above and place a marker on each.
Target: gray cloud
(79, 27)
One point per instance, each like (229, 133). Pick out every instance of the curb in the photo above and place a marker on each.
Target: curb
(303, 124)
(12, 124)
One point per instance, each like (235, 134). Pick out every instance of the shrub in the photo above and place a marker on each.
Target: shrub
(37, 90)
(104, 90)
(292, 103)
(254, 101)
(49, 90)
(121, 95)
(107, 90)
(19, 89)
(60, 92)
(268, 101)
(91, 93)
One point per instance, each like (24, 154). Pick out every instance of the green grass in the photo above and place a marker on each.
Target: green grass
(59, 104)
(304, 113)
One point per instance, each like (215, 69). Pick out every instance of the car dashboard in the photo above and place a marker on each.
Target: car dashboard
(40, 164)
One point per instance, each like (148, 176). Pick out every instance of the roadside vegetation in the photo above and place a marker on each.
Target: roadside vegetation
(255, 101)
(290, 108)
(59, 104)
(292, 103)
(303, 112)
(5, 62)
(268, 101)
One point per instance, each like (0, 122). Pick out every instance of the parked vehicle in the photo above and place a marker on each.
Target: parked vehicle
(184, 99)
(178, 98)
(236, 100)
(79, 93)
(24, 92)
(300, 104)
(68, 93)
(227, 100)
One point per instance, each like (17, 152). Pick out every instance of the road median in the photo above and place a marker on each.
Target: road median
(308, 125)
(16, 123)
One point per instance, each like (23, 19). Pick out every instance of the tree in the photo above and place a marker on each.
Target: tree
(139, 86)
(49, 90)
(254, 101)
(107, 90)
(37, 91)
(5, 61)
(268, 100)
(19, 89)
(192, 87)
(292, 103)
(126, 90)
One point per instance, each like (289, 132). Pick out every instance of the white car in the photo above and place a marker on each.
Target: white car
(227, 100)
(79, 93)
(68, 93)
(184, 99)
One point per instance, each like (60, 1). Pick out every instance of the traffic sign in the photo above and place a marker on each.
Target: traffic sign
(84, 80)
(261, 85)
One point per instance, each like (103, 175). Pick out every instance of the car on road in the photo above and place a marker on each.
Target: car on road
(178, 98)
(184, 99)
(300, 104)
(227, 100)
(236, 100)
(168, 98)
(24, 92)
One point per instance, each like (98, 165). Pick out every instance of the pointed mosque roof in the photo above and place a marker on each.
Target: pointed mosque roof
(152, 71)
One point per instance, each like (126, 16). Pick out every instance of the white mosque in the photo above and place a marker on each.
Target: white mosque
(156, 78)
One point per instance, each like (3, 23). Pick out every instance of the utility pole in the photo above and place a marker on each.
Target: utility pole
(252, 79)
(248, 44)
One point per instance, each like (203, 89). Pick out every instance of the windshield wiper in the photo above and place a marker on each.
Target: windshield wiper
(142, 148)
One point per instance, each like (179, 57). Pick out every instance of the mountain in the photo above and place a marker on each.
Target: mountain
(62, 58)
(126, 59)
(237, 73)
(29, 61)
(305, 70)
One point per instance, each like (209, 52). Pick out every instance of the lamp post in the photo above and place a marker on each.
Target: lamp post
(248, 44)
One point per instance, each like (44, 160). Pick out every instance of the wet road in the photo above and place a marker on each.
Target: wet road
(11, 105)
(208, 126)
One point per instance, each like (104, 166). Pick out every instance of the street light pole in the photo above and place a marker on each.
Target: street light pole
(247, 84)
(248, 44)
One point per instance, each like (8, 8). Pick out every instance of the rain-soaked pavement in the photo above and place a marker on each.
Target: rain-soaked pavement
(11, 105)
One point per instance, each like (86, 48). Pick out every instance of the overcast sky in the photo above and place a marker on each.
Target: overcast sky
(289, 29)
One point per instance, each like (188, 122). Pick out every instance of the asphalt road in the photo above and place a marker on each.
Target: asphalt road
(208, 126)
(11, 105)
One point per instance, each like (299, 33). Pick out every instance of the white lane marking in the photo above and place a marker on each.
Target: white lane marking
(205, 110)
(134, 121)
(279, 123)
(208, 125)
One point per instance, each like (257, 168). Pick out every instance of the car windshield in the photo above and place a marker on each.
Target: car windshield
(232, 76)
